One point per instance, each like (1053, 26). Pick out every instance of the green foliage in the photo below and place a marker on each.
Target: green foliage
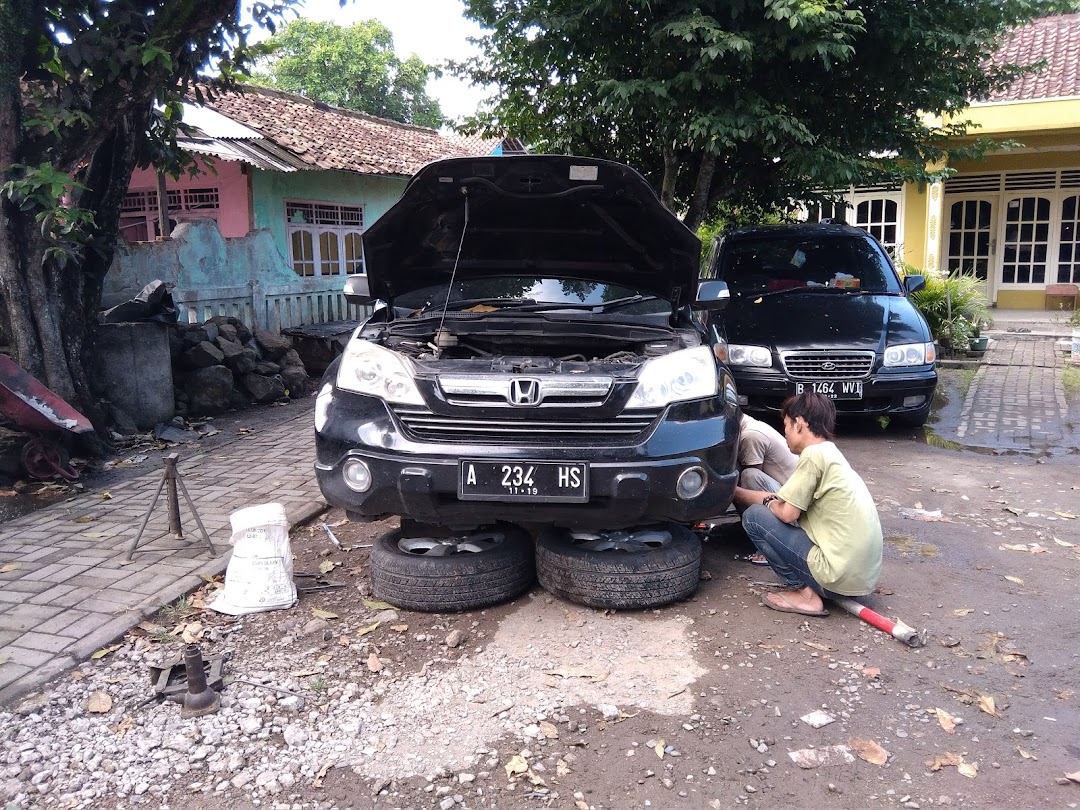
(1074, 319)
(954, 307)
(738, 217)
(352, 67)
(749, 103)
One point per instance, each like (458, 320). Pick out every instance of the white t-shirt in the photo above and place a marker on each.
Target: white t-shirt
(761, 445)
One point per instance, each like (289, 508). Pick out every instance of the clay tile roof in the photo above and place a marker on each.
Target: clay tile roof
(327, 137)
(1055, 39)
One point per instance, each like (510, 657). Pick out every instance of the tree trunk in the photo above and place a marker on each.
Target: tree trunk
(671, 176)
(699, 200)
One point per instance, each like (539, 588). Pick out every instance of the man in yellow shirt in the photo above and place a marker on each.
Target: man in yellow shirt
(820, 532)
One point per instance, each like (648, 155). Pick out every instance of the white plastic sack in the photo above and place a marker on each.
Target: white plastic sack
(260, 573)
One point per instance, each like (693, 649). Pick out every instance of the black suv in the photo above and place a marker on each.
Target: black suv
(533, 358)
(820, 307)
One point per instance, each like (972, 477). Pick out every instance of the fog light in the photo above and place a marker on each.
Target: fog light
(914, 402)
(691, 483)
(743, 400)
(357, 475)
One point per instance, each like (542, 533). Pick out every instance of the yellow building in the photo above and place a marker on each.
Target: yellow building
(1012, 218)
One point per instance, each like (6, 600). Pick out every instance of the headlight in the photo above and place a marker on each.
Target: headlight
(369, 369)
(909, 354)
(681, 375)
(749, 356)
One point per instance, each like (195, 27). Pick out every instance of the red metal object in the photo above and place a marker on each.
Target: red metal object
(897, 629)
(36, 409)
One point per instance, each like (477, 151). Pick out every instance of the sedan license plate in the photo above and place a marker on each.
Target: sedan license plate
(833, 389)
(540, 481)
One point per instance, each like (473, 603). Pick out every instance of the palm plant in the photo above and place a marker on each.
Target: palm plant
(954, 307)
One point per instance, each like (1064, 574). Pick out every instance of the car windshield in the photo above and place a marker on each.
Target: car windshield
(796, 262)
(535, 293)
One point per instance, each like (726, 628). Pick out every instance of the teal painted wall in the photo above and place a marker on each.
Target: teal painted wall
(269, 190)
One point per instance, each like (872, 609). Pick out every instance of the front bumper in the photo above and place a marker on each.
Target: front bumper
(628, 485)
(884, 393)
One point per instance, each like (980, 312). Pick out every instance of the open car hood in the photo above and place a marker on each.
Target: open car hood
(548, 215)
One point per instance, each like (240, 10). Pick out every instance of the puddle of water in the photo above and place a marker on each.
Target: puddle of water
(908, 545)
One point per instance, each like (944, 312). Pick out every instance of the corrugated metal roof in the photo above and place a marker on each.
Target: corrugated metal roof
(259, 152)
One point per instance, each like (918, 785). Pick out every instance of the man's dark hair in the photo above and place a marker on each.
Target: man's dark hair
(816, 409)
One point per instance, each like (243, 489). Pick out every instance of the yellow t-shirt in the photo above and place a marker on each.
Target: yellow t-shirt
(840, 518)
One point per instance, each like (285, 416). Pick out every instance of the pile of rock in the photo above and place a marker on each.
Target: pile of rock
(221, 364)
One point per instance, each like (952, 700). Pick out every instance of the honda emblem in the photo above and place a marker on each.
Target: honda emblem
(524, 392)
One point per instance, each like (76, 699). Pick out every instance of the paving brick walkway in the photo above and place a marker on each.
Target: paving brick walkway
(72, 591)
(1016, 400)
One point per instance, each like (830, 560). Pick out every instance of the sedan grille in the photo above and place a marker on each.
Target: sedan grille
(623, 429)
(832, 365)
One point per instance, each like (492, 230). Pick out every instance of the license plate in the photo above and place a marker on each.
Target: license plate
(541, 481)
(833, 389)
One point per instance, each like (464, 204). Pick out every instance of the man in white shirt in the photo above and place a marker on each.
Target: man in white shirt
(765, 462)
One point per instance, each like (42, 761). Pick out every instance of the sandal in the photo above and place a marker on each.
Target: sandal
(757, 558)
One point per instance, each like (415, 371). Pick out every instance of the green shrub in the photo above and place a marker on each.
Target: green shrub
(954, 307)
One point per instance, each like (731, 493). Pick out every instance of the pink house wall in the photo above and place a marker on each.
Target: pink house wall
(234, 216)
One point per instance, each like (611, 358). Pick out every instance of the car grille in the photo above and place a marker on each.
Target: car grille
(832, 365)
(420, 423)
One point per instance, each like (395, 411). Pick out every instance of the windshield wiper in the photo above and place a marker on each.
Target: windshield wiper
(602, 306)
(497, 303)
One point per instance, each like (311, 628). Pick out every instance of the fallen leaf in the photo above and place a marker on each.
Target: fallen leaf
(123, 727)
(963, 611)
(1017, 580)
(99, 703)
(363, 631)
(580, 805)
(1037, 549)
(399, 628)
(374, 604)
(1073, 777)
(989, 705)
(1064, 544)
(104, 651)
(1013, 547)
(561, 768)
(659, 748)
(871, 672)
(374, 664)
(947, 721)
(344, 641)
(326, 566)
(549, 731)
(1025, 754)
(106, 496)
(10, 567)
(869, 751)
(944, 761)
(77, 676)
(968, 769)
(822, 647)
(193, 632)
(213, 579)
(536, 780)
(1066, 515)
(304, 673)
(323, 614)
(1014, 510)
(317, 782)
(83, 519)
(323, 659)
(516, 765)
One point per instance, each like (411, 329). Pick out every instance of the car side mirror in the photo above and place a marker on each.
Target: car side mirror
(914, 283)
(712, 296)
(357, 290)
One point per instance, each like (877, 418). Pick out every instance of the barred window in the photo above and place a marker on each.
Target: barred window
(139, 211)
(324, 238)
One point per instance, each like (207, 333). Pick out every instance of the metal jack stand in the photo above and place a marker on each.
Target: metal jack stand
(173, 479)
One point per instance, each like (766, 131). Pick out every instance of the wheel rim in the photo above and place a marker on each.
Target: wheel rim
(629, 542)
(446, 546)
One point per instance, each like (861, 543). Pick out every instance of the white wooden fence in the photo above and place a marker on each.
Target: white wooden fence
(273, 306)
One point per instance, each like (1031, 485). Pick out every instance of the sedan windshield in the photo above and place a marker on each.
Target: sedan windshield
(531, 293)
(834, 263)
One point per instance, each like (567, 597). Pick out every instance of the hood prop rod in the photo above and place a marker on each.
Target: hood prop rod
(439, 342)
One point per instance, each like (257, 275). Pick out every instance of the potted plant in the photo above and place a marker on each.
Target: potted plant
(977, 342)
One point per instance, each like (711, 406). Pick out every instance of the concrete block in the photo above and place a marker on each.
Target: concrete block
(24, 656)
(137, 370)
(44, 642)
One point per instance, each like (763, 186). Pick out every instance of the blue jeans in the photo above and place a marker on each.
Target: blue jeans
(785, 546)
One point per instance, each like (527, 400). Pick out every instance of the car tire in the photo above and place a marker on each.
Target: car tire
(911, 419)
(439, 571)
(638, 568)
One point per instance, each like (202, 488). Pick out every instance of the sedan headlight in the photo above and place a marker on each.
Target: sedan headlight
(749, 356)
(681, 375)
(909, 354)
(370, 369)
